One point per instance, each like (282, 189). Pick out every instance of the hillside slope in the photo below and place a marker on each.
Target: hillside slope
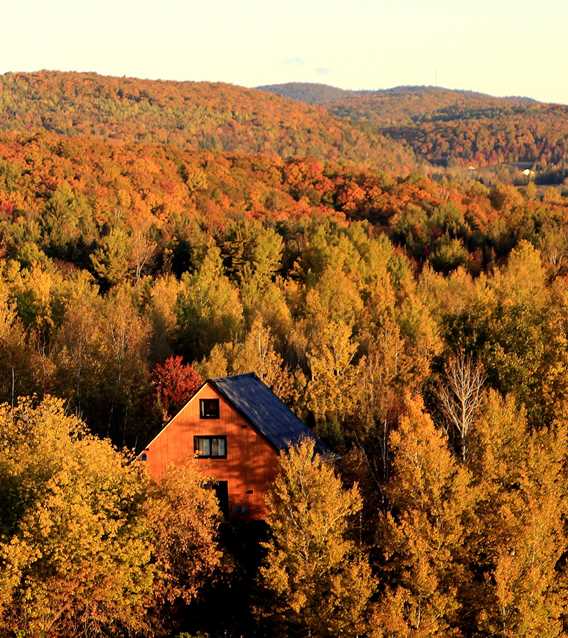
(190, 115)
(452, 127)
(312, 93)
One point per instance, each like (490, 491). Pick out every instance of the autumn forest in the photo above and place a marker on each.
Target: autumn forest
(380, 260)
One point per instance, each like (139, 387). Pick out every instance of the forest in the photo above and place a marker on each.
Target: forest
(192, 115)
(417, 321)
(443, 127)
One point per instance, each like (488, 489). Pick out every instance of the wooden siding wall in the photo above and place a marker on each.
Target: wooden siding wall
(251, 461)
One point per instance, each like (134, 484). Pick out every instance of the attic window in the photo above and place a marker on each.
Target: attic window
(209, 408)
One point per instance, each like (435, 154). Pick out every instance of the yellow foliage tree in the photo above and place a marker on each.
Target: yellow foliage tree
(16, 363)
(88, 546)
(184, 518)
(332, 389)
(318, 577)
(520, 538)
(75, 554)
(209, 309)
(431, 500)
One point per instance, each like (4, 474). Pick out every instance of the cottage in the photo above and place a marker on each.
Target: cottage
(235, 427)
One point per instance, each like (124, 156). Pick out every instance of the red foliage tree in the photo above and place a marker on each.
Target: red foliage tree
(175, 383)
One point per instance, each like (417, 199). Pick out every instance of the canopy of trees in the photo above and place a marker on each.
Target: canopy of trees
(193, 115)
(449, 127)
(418, 324)
(87, 545)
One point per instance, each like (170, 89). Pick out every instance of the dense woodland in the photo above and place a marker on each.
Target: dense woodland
(192, 115)
(418, 324)
(447, 127)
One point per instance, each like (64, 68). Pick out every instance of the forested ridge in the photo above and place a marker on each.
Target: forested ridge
(450, 127)
(190, 115)
(419, 324)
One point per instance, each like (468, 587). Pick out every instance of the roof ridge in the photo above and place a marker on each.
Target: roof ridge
(234, 376)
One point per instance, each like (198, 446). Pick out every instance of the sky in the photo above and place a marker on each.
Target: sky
(501, 47)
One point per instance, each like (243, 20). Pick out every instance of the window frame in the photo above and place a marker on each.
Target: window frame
(210, 438)
(202, 414)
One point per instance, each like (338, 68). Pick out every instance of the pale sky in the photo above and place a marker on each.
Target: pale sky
(501, 47)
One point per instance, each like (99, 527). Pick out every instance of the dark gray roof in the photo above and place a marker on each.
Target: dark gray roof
(254, 400)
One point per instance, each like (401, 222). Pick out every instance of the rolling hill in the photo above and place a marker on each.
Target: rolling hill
(395, 129)
(450, 127)
(189, 115)
(312, 93)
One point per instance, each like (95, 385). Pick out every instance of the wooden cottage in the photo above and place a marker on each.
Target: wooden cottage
(235, 427)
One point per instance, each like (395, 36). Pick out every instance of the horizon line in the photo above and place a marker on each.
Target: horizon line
(288, 83)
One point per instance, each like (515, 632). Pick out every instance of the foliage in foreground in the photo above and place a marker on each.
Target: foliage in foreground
(318, 575)
(88, 546)
(457, 547)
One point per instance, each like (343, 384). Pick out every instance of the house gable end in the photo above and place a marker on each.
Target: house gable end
(245, 463)
(210, 385)
(176, 416)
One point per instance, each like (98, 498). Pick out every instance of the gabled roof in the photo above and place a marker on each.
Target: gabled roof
(255, 401)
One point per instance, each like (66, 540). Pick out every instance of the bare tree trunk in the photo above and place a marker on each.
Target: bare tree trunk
(459, 393)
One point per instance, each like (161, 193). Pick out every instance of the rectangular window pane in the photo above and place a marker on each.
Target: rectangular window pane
(210, 446)
(218, 447)
(203, 446)
(209, 408)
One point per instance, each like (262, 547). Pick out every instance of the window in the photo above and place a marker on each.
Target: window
(210, 447)
(209, 408)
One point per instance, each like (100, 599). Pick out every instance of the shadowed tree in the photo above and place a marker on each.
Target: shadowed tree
(183, 516)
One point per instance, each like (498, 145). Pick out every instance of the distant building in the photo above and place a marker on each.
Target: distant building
(235, 427)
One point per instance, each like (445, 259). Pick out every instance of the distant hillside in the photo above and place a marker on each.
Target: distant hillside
(429, 97)
(444, 126)
(190, 115)
(385, 129)
(307, 92)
